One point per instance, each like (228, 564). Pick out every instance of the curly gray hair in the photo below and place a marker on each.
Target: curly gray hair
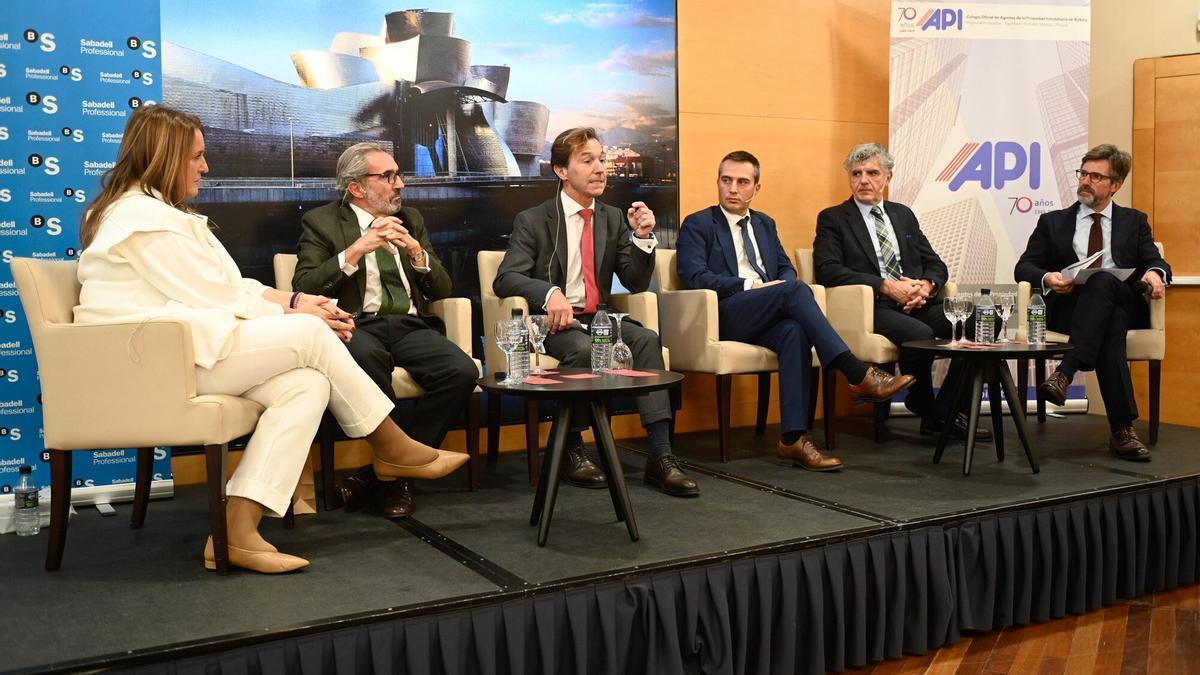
(864, 151)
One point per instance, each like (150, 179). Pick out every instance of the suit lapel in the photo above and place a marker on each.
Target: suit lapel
(600, 226)
(858, 226)
(725, 240)
(1123, 237)
(348, 226)
(1064, 238)
(556, 229)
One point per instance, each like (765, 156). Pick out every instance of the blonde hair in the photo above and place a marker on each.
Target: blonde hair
(154, 150)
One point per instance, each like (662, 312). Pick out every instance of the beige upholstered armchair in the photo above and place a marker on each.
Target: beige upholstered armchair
(456, 314)
(1142, 344)
(121, 385)
(691, 329)
(641, 307)
(851, 312)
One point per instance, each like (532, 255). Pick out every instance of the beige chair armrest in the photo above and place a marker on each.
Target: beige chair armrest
(851, 309)
(948, 291)
(495, 309)
(1158, 313)
(641, 307)
(689, 325)
(456, 314)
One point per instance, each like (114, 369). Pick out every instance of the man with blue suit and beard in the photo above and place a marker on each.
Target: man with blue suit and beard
(736, 252)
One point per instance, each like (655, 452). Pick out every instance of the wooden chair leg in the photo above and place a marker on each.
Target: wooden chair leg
(1155, 387)
(1022, 385)
(814, 382)
(141, 486)
(1040, 376)
(327, 442)
(829, 405)
(472, 432)
(60, 507)
(531, 438)
(764, 403)
(493, 428)
(215, 457)
(724, 392)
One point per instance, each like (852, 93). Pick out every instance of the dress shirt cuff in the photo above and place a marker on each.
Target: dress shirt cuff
(747, 284)
(546, 300)
(346, 267)
(1162, 274)
(422, 270)
(1045, 289)
(646, 245)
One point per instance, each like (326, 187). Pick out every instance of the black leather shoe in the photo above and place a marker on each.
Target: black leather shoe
(934, 426)
(1054, 389)
(579, 470)
(665, 474)
(1125, 444)
(357, 490)
(394, 498)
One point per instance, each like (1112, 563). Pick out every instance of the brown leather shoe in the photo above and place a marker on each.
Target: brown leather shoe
(879, 386)
(1054, 389)
(579, 470)
(357, 490)
(1125, 444)
(804, 454)
(665, 474)
(394, 499)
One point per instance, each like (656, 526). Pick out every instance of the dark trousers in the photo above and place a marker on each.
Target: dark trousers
(573, 349)
(923, 323)
(444, 371)
(1096, 315)
(786, 319)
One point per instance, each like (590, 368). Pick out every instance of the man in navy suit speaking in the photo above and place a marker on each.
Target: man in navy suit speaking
(736, 252)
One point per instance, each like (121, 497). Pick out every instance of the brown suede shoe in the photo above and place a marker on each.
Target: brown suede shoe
(1125, 444)
(804, 454)
(1054, 389)
(879, 386)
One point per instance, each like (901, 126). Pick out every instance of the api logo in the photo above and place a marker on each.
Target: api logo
(942, 19)
(993, 165)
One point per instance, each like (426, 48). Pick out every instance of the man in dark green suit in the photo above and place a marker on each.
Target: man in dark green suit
(375, 258)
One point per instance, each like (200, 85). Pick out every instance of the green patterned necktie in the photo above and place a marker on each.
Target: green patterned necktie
(395, 299)
(887, 249)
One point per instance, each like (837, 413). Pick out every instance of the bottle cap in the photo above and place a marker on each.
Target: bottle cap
(26, 469)
(985, 291)
(602, 307)
(517, 313)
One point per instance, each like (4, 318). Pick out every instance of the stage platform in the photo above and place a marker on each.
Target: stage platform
(771, 569)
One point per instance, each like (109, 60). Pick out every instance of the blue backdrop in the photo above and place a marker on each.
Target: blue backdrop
(71, 73)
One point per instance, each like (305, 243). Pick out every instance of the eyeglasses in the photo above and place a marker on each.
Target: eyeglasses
(390, 176)
(1091, 176)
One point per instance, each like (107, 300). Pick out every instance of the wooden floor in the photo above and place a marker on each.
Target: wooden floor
(1158, 635)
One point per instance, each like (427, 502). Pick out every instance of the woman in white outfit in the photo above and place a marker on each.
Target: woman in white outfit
(146, 256)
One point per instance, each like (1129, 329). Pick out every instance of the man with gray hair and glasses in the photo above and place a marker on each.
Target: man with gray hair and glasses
(1097, 313)
(374, 256)
(867, 240)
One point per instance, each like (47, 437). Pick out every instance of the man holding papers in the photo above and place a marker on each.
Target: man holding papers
(1097, 302)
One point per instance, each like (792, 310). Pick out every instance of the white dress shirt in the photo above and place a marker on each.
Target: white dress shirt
(745, 271)
(575, 291)
(373, 294)
(869, 220)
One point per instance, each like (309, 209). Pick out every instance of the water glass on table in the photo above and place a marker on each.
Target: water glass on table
(508, 335)
(539, 328)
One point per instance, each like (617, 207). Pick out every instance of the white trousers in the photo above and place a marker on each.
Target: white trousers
(294, 366)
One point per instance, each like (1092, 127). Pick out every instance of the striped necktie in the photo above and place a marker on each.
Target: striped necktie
(887, 248)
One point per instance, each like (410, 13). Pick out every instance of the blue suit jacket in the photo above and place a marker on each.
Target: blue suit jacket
(706, 257)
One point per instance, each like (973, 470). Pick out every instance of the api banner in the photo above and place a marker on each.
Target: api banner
(71, 73)
(989, 119)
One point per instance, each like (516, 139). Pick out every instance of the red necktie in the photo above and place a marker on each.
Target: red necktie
(587, 251)
(1095, 240)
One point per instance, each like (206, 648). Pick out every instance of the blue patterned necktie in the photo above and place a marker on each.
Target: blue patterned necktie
(748, 247)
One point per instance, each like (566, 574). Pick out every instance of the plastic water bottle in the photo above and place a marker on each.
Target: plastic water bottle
(985, 317)
(602, 340)
(519, 362)
(25, 495)
(1037, 319)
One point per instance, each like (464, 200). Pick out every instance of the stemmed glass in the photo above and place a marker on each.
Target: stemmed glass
(1005, 306)
(622, 355)
(966, 310)
(508, 336)
(539, 328)
(950, 308)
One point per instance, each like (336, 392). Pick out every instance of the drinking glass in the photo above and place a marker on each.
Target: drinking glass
(966, 310)
(950, 308)
(508, 336)
(1006, 304)
(622, 355)
(539, 328)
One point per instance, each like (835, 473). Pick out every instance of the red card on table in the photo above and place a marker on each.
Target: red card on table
(631, 373)
(534, 379)
(581, 376)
